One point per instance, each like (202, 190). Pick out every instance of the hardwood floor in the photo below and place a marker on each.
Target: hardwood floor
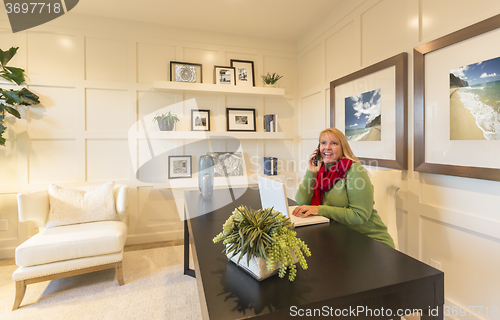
(132, 247)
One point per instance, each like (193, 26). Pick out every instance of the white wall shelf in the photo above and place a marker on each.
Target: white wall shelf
(219, 182)
(200, 135)
(216, 88)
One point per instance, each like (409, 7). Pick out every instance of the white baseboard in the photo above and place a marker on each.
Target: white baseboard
(7, 253)
(154, 237)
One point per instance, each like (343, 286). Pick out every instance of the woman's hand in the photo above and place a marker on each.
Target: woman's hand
(305, 211)
(310, 164)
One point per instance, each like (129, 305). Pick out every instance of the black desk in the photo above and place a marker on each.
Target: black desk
(349, 273)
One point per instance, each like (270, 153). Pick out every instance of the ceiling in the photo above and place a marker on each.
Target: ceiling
(276, 19)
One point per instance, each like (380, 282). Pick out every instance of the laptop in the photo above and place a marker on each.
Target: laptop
(272, 195)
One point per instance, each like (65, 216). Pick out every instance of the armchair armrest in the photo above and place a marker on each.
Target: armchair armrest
(120, 193)
(33, 207)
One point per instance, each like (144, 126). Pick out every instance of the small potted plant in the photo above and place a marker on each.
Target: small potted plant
(166, 121)
(263, 243)
(270, 80)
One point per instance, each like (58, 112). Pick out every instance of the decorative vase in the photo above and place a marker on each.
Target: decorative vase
(269, 85)
(207, 185)
(165, 126)
(206, 175)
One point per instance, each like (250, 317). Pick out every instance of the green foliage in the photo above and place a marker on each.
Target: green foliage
(271, 79)
(263, 233)
(10, 99)
(167, 118)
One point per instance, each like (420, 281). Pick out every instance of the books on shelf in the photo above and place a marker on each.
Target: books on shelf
(271, 123)
(270, 166)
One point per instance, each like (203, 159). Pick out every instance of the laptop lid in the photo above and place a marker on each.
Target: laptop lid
(272, 195)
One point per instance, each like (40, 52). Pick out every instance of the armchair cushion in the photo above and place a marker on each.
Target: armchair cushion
(72, 242)
(71, 206)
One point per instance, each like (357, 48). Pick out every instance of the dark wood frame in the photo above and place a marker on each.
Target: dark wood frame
(233, 61)
(208, 119)
(190, 167)
(400, 61)
(419, 53)
(172, 63)
(216, 68)
(238, 109)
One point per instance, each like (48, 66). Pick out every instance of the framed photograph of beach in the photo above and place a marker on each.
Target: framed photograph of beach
(457, 103)
(370, 107)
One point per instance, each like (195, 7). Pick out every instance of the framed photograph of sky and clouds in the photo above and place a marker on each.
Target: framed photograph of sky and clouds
(457, 103)
(370, 107)
(362, 116)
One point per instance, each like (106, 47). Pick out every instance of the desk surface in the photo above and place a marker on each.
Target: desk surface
(347, 270)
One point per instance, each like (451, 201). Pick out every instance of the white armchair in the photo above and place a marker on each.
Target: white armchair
(68, 250)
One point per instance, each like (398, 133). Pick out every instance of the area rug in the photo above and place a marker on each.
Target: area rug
(155, 288)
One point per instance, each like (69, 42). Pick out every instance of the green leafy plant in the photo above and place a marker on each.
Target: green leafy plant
(10, 99)
(166, 120)
(271, 79)
(263, 233)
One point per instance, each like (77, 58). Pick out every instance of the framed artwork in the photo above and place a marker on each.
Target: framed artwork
(224, 75)
(244, 72)
(227, 164)
(371, 107)
(457, 103)
(179, 167)
(185, 72)
(240, 119)
(200, 120)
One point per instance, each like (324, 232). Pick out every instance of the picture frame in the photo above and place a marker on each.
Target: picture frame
(186, 72)
(224, 75)
(227, 164)
(179, 167)
(240, 119)
(200, 120)
(381, 140)
(435, 151)
(244, 71)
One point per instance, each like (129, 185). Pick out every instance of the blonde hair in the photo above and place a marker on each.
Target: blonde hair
(346, 149)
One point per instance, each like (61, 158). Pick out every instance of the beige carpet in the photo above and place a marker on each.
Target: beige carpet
(155, 288)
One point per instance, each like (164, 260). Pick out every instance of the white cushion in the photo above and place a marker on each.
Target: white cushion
(23, 273)
(71, 206)
(72, 242)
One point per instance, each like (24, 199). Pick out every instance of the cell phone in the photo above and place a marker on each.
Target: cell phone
(317, 157)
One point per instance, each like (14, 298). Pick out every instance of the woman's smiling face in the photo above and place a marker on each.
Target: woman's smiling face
(330, 148)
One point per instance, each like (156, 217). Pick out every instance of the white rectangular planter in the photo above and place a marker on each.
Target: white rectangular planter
(257, 267)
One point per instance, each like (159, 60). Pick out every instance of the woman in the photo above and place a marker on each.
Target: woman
(339, 188)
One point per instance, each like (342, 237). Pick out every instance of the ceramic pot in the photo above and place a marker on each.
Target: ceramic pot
(165, 126)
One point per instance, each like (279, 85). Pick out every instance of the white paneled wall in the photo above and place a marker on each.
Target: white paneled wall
(454, 221)
(95, 82)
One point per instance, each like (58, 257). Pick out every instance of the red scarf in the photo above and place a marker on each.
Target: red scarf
(326, 179)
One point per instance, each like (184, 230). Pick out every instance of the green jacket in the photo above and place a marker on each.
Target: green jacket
(350, 202)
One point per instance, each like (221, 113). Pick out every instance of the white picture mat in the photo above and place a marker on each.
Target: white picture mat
(201, 114)
(248, 67)
(188, 172)
(438, 146)
(386, 81)
(236, 126)
(231, 76)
